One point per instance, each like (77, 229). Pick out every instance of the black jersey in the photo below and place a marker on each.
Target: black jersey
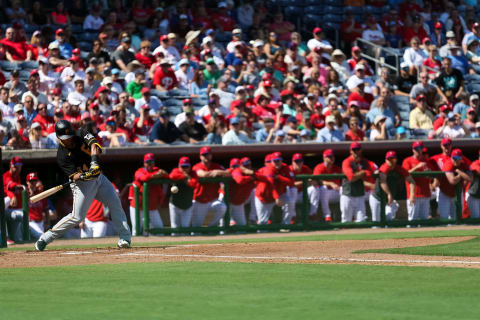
(77, 159)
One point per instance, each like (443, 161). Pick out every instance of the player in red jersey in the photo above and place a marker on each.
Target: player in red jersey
(419, 208)
(389, 175)
(296, 191)
(39, 210)
(272, 188)
(473, 195)
(155, 192)
(241, 187)
(328, 189)
(12, 188)
(205, 195)
(457, 172)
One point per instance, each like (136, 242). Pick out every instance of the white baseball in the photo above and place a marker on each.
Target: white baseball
(174, 189)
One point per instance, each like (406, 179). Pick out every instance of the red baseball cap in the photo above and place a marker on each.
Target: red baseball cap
(267, 83)
(234, 162)
(145, 107)
(286, 92)
(420, 97)
(268, 158)
(457, 154)
(390, 154)
(164, 37)
(76, 51)
(184, 162)
(110, 119)
(317, 30)
(425, 150)
(57, 91)
(425, 40)
(236, 103)
(32, 176)
(250, 87)
(444, 107)
(438, 25)
(58, 111)
(446, 141)
(187, 101)
(85, 115)
(16, 161)
(205, 150)
(355, 145)
(59, 31)
(145, 90)
(318, 105)
(417, 144)
(33, 72)
(74, 58)
(276, 156)
(267, 76)
(245, 161)
(21, 117)
(297, 156)
(328, 153)
(148, 157)
(356, 48)
(471, 110)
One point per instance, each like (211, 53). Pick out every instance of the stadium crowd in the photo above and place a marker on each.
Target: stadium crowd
(208, 72)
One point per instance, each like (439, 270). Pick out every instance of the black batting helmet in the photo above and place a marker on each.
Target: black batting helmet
(64, 130)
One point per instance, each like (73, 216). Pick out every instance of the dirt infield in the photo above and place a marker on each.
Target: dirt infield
(311, 252)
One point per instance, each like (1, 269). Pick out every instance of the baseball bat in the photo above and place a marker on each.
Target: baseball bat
(48, 193)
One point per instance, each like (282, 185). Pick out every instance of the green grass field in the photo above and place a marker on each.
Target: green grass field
(218, 290)
(206, 290)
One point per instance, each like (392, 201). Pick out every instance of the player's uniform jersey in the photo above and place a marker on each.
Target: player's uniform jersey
(241, 187)
(10, 189)
(36, 210)
(77, 159)
(441, 160)
(303, 170)
(395, 177)
(449, 166)
(474, 189)
(206, 191)
(349, 168)
(322, 169)
(155, 191)
(183, 198)
(422, 184)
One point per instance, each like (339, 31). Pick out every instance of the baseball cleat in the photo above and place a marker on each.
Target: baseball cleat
(40, 245)
(122, 243)
(328, 219)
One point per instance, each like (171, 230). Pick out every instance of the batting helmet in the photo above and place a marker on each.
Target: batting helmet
(64, 130)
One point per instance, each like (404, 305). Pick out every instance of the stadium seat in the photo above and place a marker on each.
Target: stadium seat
(173, 102)
(317, 10)
(293, 13)
(311, 21)
(178, 93)
(333, 10)
(29, 65)
(332, 18)
(356, 10)
(88, 36)
(173, 110)
(200, 102)
(313, 2)
(84, 46)
(24, 75)
(335, 3)
(9, 66)
(77, 28)
(158, 93)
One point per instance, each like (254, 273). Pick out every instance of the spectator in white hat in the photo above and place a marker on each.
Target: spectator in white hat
(48, 78)
(379, 129)
(451, 41)
(236, 40)
(184, 74)
(169, 52)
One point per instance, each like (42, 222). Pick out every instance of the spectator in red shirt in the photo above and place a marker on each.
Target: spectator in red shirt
(15, 50)
(442, 117)
(355, 133)
(206, 194)
(140, 14)
(155, 193)
(143, 125)
(350, 29)
(46, 121)
(362, 98)
(60, 15)
(409, 7)
(416, 30)
(432, 61)
(164, 78)
(144, 56)
(222, 20)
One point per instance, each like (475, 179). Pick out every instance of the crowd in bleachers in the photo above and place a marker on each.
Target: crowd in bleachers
(236, 72)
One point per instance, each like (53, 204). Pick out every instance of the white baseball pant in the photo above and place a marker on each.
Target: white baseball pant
(264, 210)
(83, 194)
(375, 207)
(237, 214)
(297, 197)
(155, 220)
(14, 218)
(200, 211)
(420, 210)
(252, 216)
(180, 218)
(327, 196)
(473, 206)
(352, 206)
(94, 229)
(446, 206)
(36, 229)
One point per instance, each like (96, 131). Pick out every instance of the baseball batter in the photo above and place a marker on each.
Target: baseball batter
(420, 207)
(205, 195)
(473, 194)
(180, 204)
(155, 192)
(77, 156)
(328, 189)
(296, 191)
(357, 169)
(388, 182)
(241, 188)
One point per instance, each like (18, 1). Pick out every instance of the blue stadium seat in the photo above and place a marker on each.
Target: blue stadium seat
(200, 101)
(77, 28)
(158, 93)
(356, 10)
(313, 2)
(85, 46)
(313, 10)
(24, 75)
(311, 20)
(331, 26)
(173, 102)
(332, 18)
(333, 10)
(173, 110)
(292, 13)
(178, 93)
(335, 3)
(88, 36)
(29, 65)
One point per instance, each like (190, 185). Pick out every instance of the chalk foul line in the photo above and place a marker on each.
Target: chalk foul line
(326, 259)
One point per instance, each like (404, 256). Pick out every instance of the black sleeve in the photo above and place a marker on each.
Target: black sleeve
(87, 136)
(154, 133)
(67, 166)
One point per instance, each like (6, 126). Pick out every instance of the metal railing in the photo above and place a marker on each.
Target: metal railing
(381, 62)
(302, 224)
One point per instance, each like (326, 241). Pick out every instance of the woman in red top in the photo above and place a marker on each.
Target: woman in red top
(144, 56)
(37, 46)
(60, 15)
(261, 109)
(355, 133)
